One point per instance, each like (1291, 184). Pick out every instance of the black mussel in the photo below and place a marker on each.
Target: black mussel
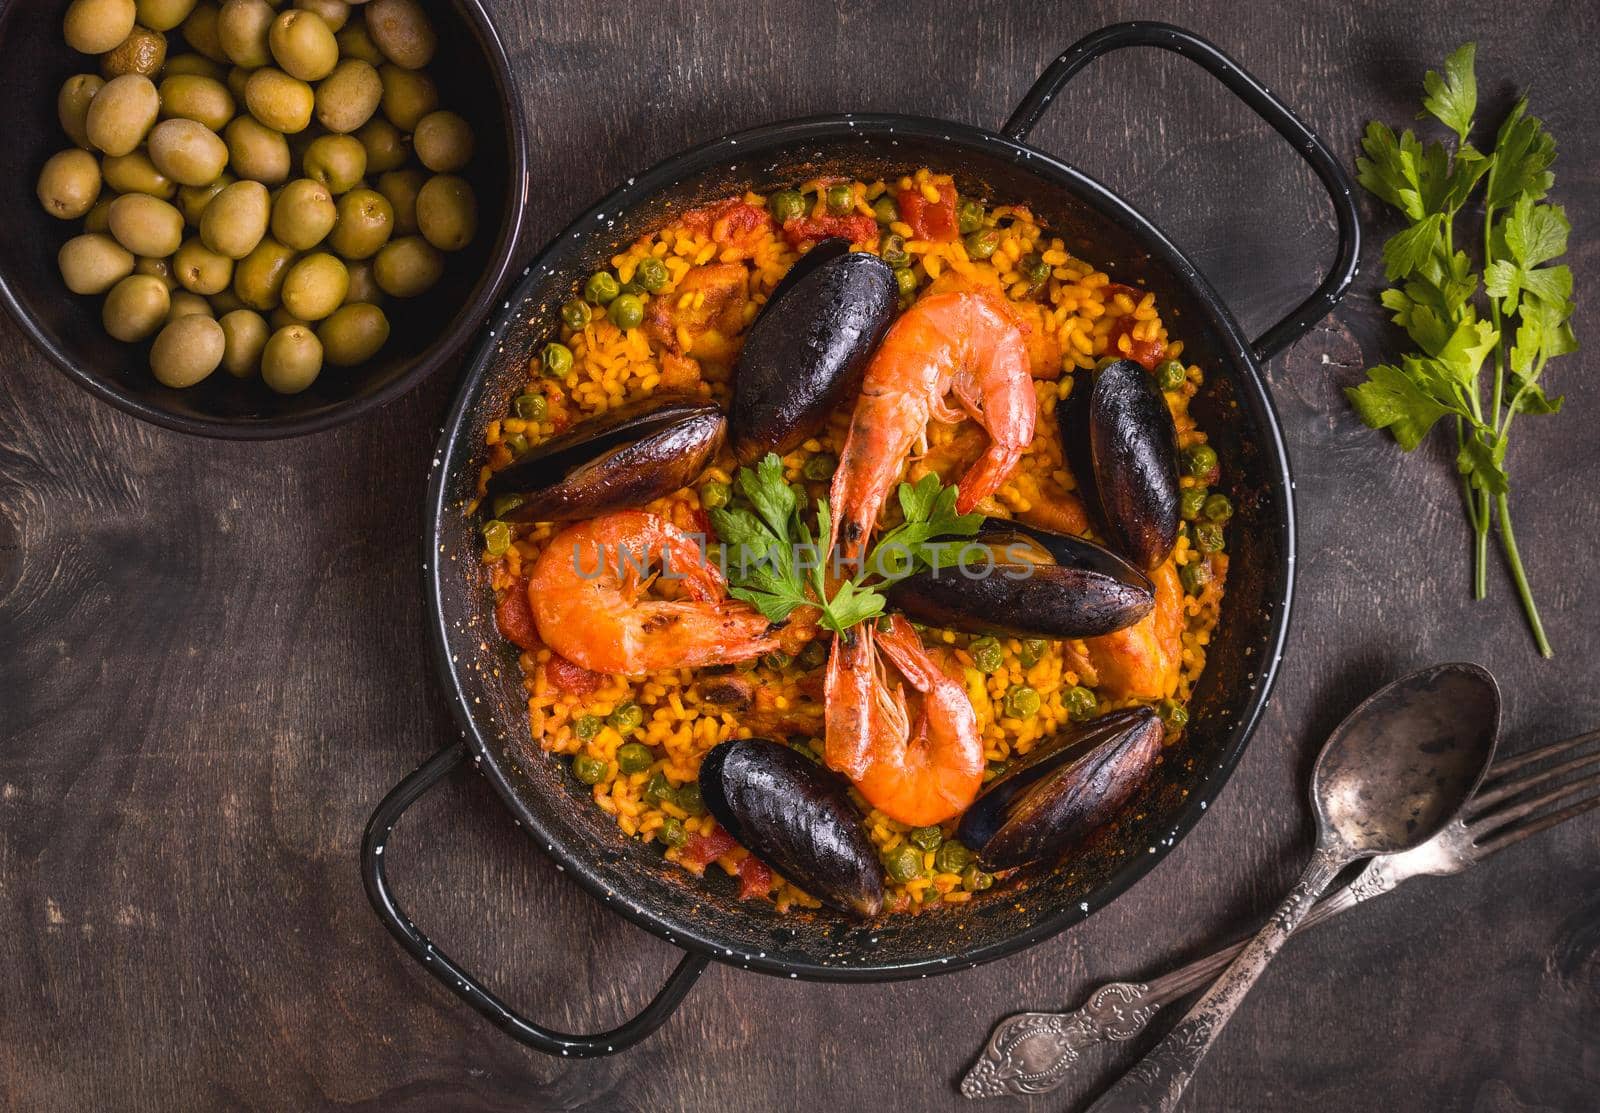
(794, 815)
(807, 350)
(1123, 447)
(622, 459)
(1029, 582)
(1056, 797)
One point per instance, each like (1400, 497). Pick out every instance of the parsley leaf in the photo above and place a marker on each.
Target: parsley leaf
(1453, 98)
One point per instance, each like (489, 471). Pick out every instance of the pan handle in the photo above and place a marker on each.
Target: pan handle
(463, 984)
(1164, 36)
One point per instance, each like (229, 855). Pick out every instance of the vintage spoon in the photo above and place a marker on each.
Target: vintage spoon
(1396, 770)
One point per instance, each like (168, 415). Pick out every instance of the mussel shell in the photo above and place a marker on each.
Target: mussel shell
(620, 460)
(794, 815)
(1055, 798)
(1121, 444)
(1065, 587)
(807, 350)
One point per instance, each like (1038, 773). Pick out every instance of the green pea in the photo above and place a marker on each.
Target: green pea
(1034, 269)
(777, 659)
(659, 788)
(787, 205)
(530, 407)
(587, 727)
(893, 250)
(556, 360)
(601, 288)
(589, 770)
(1191, 503)
(1207, 537)
(517, 443)
(926, 838)
(1218, 508)
(1173, 713)
(820, 467)
(652, 274)
(904, 863)
(1033, 650)
(982, 243)
(1080, 703)
(813, 656)
(969, 217)
(714, 495)
(906, 280)
(1195, 576)
(1200, 460)
(634, 758)
(505, 504)
(885, 211)
(952, 858)
(987, 654)
(626, 311)
(627, 718)
(496, 537)
(671, 831)
(1170, 374)
(974, 880)
(839, 200)
(885, 624)
(575, 314)
(688, 798)
(1022, 702)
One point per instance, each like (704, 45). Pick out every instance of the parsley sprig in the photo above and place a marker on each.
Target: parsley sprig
(1520, 319)
(774, 558)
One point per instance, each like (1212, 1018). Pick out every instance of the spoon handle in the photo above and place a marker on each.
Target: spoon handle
(1156, 1083)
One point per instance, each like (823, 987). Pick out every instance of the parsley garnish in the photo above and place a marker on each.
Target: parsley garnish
(775, 562)
(1436, 297)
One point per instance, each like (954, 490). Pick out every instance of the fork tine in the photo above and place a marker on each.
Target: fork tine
(1543, 823)
(1487, 824)
(1507, 765)
(1485, 800)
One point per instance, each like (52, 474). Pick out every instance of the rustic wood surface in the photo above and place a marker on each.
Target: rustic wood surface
(212, 665)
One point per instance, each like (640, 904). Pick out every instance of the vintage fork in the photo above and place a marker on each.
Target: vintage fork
(1033, 1053)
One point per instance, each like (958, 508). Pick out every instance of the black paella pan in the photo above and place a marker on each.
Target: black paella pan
(703, 916)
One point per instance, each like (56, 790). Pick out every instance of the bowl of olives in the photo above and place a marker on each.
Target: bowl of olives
(256, 218)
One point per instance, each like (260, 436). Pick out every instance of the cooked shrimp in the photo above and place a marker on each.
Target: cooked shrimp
(922, 770)
(587, 591)
(963, 343)
(1143, 661)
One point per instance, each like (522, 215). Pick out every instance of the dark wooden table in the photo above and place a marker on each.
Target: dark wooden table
(211, 659)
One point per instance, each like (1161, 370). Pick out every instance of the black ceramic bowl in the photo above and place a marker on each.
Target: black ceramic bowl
(474, 78)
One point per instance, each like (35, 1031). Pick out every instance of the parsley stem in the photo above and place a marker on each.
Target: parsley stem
(1494, 317)
(1508, 541)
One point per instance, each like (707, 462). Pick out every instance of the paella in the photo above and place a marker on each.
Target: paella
(855, 540)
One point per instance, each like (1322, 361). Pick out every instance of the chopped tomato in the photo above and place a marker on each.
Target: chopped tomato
(732, 223)
(515, 617)
(701, 850)
(930, 220)
(1146, 353)
(805, 229)
(570, 677)
(1132, 293)
(755, 879)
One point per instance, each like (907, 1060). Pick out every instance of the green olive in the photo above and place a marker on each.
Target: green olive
(363, 286)
(224, 302)
(187, 304)
(335, 13)
(258, 277)
(315, 286)
(187, 350)
(291, 359)
(443, 142)
(242, 28)
(201, 270)
(355, 42)
(303, 214)
(188, 152)
(202, 30)
(163, 15)
(338, 162)
(122, 113)
(236, 219)
(143, 51)
(188, 96)
(281, 318)
(408, 95)
(135, 308)
(407, 267)
(348, 96)
(303, 45)
(192, 200)
(401, 187)
(401, 30)
(135, 173)
(236, 80)
(146, 225)
(386, 148)
(93, 263)
(159, 269)
(257, 152)
(353, 334)
(69, 184)
(196, 65)
(365, 223)
(244, 335)
(281, 102)
(96, 26)
(72, 105)
(447, 212)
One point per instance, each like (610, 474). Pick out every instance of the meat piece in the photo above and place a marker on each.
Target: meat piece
(1143, 661)
(735, 224)
(708, 326)
(805, 229)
